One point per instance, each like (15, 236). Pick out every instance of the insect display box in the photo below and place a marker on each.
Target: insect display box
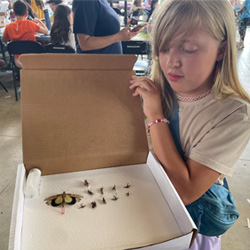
(99, 188)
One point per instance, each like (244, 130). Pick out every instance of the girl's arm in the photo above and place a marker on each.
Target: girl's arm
(87, 42)
(191, 179)
(43, 29)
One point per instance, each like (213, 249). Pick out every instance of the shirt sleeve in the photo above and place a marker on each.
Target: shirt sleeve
(6, 33)
(85, 16)
(222, 146)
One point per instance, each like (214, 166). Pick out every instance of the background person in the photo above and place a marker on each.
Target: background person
(37, 6)
(22, 29)
(154, 4)
(61, 31)
(97, 28)
(244, 20)
(53, 4)
(194, 76)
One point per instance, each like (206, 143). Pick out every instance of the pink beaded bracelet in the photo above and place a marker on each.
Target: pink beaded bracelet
(158, 121)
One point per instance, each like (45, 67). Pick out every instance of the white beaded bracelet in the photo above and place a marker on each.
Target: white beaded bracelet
(158, 121)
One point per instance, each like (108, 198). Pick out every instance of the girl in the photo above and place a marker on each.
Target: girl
(37, 6)
(61, 31)
(194, 76)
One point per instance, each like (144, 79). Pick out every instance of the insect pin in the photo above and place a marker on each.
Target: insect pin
(62, 199)
(86, 184)
(93, 204)
(115, 198)
(127, 186)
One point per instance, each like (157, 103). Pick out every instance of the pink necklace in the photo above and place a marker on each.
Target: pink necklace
(193, 98)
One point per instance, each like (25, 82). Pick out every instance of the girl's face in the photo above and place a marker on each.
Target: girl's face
(189, 65)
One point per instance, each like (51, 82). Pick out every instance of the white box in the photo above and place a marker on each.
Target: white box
(151, 217)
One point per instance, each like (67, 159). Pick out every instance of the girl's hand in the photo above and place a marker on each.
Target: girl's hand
(151, 95)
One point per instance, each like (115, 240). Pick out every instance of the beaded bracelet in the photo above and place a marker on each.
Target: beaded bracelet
(158, 121)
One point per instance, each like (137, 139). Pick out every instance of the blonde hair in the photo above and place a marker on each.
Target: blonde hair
(181, 17)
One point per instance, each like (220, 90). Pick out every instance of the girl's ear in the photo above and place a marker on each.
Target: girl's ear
(221, 51)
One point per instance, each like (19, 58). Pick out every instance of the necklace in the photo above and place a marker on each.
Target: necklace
(193, 98)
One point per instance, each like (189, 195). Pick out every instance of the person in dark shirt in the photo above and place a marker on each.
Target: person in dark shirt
(97, 28)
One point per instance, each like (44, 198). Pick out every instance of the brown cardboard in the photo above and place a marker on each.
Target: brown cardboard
(78, 113)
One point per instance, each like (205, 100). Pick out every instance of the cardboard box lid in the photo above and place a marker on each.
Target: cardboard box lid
(78, 113)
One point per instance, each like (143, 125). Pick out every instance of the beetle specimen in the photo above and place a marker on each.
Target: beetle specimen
(101, 190)
(93, 204)
(86, 184)
(127, 193)
(114, 188)
(115, 198)
(104, 201)
(127, 186)
(90, 192)
(62, 199)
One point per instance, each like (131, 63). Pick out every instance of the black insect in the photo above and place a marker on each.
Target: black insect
(104, 201)
(127, 186)
(114, 188)
(127, 193)
(90, 192)
(86, 184)
(115, 198)
(93, 204)
(101, 190)
(82, 206)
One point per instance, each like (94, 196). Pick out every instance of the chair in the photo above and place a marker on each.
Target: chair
(138, 48)
(18, 48)
(54, 48)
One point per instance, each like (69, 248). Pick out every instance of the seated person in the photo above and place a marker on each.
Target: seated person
(37, 6)
(61, 31)
(22, 29)
(53, 4)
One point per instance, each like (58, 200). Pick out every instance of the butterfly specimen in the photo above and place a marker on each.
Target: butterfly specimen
(62, 199)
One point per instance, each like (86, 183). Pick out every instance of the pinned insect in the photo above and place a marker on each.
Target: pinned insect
(93, 204)
(82, 206)
(62, 199)
(127, 186)
(101, 190)
(86, 184)
(114, 188)
(90, 192)
(104, 201)
(115, 198)
(127, 193)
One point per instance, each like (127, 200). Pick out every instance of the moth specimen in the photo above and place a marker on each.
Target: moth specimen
(62, 199)
(90, 192)
(86, 184)
(115, 198)
(93, 204)
(127, 186)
